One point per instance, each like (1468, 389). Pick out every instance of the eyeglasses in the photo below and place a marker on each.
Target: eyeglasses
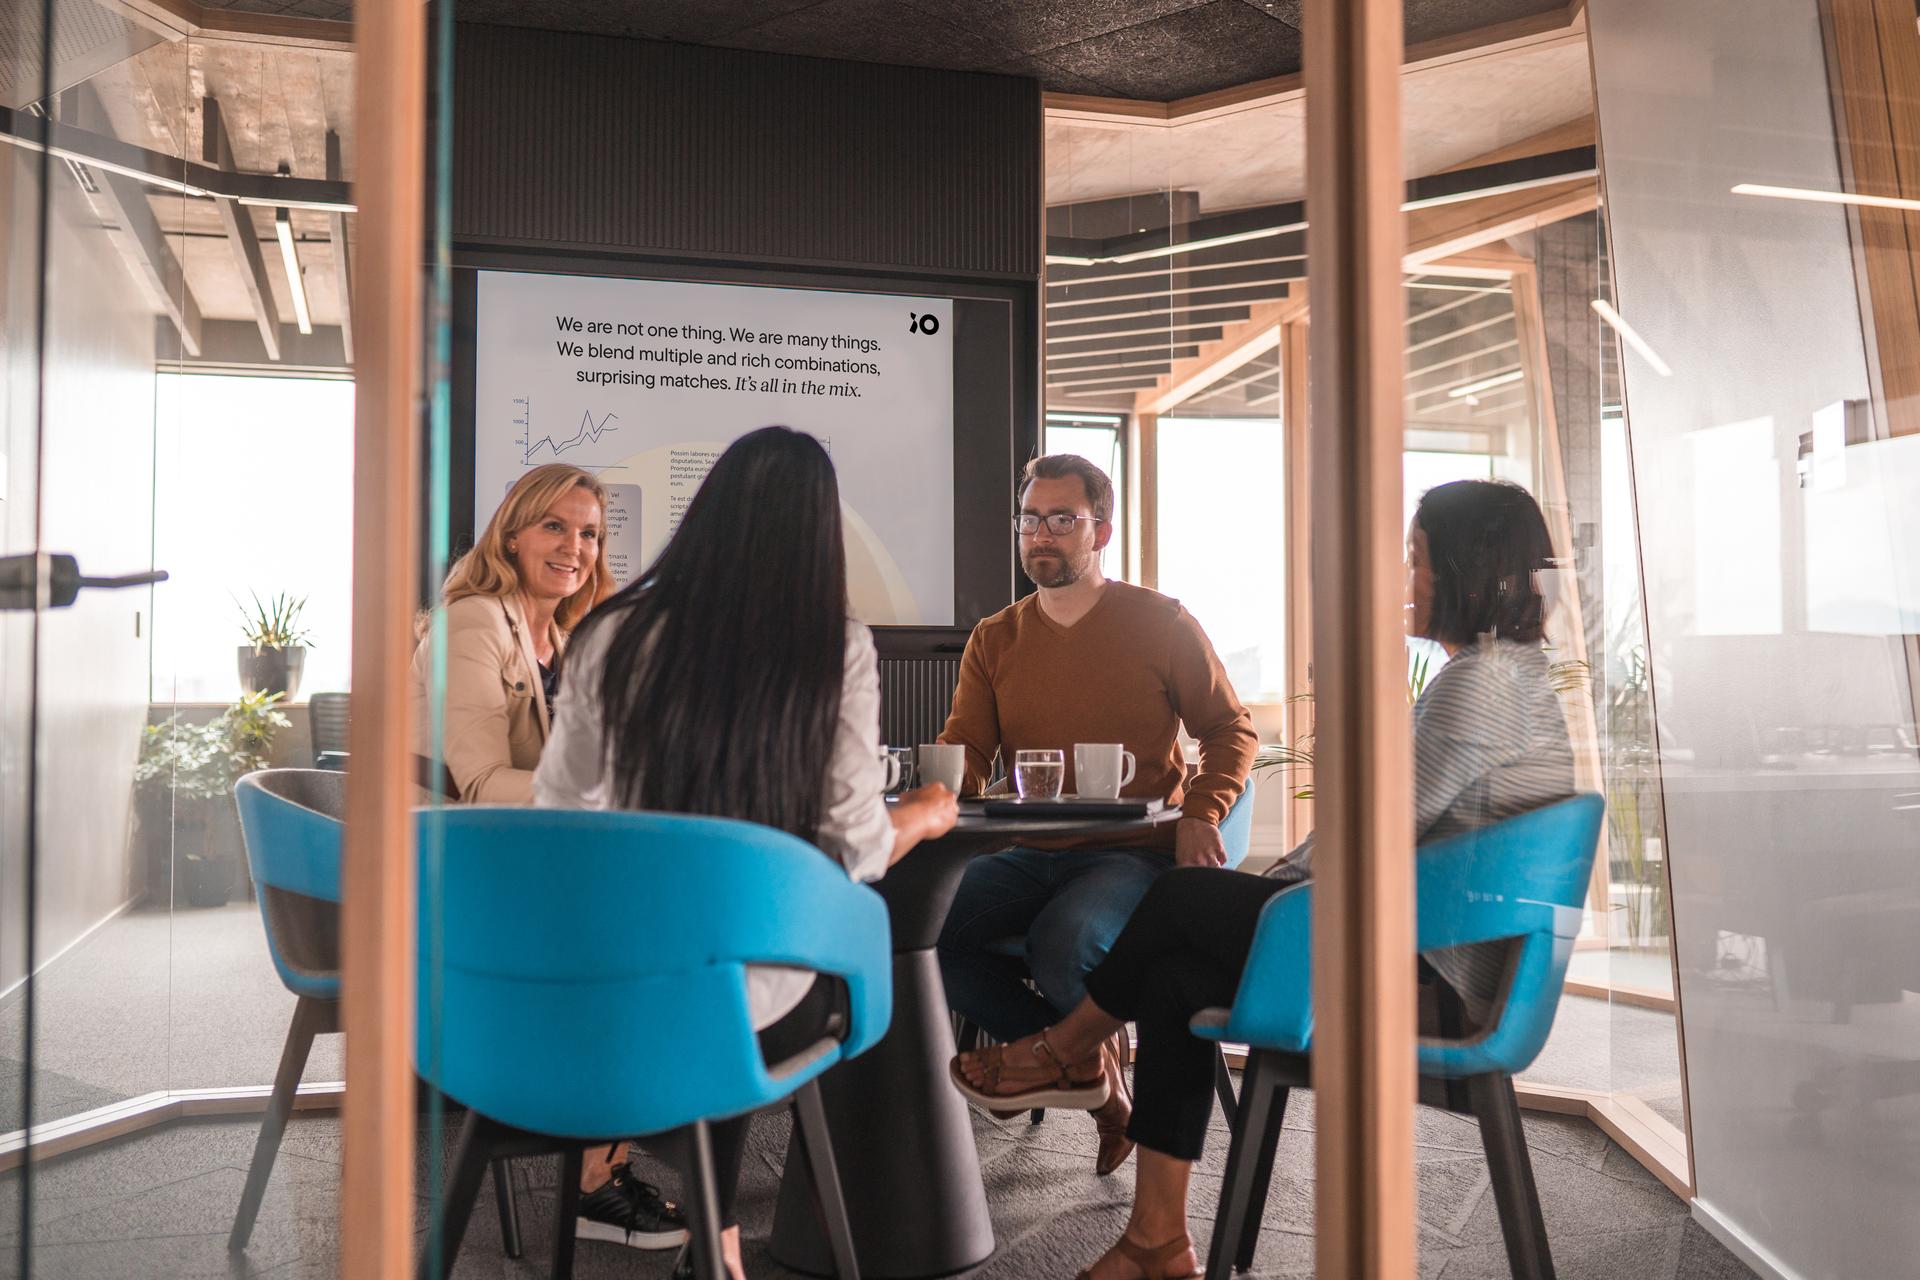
(1059, 524)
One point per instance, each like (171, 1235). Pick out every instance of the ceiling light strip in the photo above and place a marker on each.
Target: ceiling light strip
(1618, 323)
(290, 259)
(1486, 384)
(1824, 197)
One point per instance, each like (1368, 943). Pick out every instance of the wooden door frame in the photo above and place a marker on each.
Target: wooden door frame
(378, 873)
(1363, 972)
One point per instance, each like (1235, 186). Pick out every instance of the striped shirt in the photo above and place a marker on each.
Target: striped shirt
(1489, 741)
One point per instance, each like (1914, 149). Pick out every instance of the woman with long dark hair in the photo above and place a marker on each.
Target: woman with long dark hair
(729, 681)
(1489, 741)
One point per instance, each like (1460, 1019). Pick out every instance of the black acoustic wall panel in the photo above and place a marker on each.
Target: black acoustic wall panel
(603, 144)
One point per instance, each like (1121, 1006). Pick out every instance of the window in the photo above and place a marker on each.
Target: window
(1097, 438)
(254, 493)
(1222, 549)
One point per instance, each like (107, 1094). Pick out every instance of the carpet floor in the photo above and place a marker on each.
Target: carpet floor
(159, 1205)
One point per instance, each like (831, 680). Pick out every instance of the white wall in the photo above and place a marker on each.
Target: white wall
(1794, 839)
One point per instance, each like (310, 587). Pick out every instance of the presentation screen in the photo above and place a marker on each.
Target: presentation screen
(645, 382)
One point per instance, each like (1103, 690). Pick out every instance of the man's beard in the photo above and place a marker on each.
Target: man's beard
(1069, 570)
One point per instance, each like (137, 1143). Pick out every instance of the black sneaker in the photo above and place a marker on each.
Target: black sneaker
(625, 1210)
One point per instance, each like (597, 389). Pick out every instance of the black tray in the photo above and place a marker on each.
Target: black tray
(1074, 807)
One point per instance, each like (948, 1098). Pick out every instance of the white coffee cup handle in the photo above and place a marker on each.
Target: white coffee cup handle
(1128, 776)
(893, 772)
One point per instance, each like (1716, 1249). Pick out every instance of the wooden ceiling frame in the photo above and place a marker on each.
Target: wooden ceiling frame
(188, 20)
(242, 236)
(1541, 31)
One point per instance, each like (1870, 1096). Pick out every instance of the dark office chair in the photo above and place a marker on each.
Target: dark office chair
(328, 720)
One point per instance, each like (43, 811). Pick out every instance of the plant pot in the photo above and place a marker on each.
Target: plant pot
(272, 670)
(206, 882)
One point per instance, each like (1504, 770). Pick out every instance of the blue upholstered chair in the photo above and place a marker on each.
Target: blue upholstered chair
(1236, 834)
(583, 980)
(291, 820)
(1521, 881)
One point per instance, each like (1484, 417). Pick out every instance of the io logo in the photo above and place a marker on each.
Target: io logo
(928, 324)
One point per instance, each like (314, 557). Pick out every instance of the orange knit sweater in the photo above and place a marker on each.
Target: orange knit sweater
(1133, 670)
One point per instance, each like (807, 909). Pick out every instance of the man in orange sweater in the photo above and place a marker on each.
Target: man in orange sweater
(1084, 659)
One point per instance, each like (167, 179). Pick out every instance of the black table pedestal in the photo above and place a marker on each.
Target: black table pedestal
(904, 1145)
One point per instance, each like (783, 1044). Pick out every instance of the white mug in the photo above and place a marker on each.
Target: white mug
(1096, 769)
(943, 762)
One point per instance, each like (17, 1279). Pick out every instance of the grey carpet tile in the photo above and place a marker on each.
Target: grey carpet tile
(55, 1095)
(1624, 1255)
(1576, 1200)
(1704, 1258)
(159, 1205)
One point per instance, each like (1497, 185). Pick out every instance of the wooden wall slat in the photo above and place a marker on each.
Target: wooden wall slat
(1873, 62)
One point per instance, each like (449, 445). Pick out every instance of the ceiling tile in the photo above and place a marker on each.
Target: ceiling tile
(1033, 26)
(1052, 77)
(874, 31)
(1222, 43)
(693, 21)
(1288, 11)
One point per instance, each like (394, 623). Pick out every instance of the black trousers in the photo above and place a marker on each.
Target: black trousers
(820, 1013)
(1183, 951)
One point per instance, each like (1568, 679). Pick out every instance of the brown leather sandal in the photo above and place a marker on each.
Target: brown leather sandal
(1111, 1117)
(1154, 1261)
(1035, 1078)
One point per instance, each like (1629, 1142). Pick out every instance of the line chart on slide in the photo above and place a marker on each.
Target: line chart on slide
(589, 431)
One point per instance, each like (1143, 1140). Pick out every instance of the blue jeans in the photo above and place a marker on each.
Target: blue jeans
(1070, 905)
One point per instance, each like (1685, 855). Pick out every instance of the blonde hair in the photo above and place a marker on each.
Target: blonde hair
(489, 569)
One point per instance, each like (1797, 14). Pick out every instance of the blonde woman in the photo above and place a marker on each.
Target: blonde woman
(510, 603)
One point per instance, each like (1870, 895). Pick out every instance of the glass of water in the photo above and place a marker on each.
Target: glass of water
(1039, 775)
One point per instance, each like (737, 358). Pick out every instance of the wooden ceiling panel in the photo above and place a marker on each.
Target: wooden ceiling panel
(1454, 112)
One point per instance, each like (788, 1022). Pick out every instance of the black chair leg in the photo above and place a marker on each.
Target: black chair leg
(447, 1222)
(310, 1017)
(703, 1204)
(1258, 1084)
(1511, 1171)
(816, 1147)
(1262, 1174)
(1223, 1086)
(505, 1202)
(566, 1212)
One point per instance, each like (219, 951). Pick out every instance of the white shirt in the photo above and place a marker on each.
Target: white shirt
(576, 773)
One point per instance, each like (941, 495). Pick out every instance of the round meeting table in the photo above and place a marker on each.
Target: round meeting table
(901, 1135)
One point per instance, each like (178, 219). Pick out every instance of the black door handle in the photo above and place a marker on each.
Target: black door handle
(21, 577)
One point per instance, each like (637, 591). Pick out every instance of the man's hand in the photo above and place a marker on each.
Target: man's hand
(1196, 843)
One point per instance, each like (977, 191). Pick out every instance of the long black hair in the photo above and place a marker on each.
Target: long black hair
(721, 687)
(1486, 543)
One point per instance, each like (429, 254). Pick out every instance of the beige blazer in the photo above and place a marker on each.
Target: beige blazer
(496, 716)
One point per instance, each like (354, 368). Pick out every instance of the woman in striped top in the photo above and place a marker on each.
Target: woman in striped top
(1489, 741)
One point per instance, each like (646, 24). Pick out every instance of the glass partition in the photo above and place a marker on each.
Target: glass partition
(1759, 225)
(154, 434)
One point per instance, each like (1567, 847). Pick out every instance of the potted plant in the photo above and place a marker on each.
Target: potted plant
(195, 766)
(276, 649)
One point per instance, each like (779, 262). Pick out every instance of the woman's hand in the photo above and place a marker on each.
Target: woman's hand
(925, 813)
